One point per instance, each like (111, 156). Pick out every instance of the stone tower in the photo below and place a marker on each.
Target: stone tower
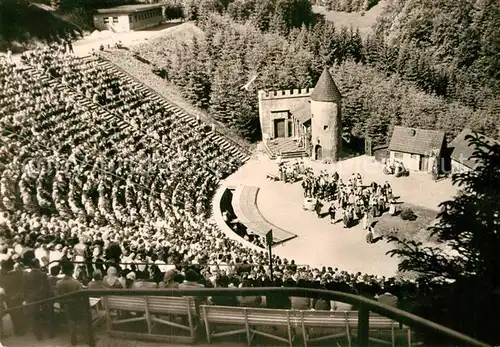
(326, 126)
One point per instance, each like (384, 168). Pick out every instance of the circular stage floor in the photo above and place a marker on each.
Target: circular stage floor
(320, 243)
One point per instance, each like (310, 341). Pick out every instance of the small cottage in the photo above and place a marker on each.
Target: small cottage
(417, 149)
(462, 151)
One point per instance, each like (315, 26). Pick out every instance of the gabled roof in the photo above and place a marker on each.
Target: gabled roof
(463, 150)
(416, 141)
(325, 89)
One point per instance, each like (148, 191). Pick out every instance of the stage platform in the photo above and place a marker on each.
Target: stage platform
(287, 146)
(246, 210)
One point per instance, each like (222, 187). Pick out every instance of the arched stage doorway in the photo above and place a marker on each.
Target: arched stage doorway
(318, 152)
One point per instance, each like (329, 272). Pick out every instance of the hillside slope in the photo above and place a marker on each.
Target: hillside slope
(364, 21)
(23, 24)
(455, 34)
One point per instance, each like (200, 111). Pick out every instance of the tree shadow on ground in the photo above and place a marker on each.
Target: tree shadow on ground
(29, 25)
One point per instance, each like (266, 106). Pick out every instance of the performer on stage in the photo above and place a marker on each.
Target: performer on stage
(317, 208)
(331, 212)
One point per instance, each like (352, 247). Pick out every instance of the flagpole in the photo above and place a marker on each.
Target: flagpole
(269, 240)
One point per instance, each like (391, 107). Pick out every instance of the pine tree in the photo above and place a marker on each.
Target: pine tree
(183, 57)
(278, 24)
(377, 128)
(355, 45)
(262, 14)
(198, 83)
(343, 46)
(369, 51)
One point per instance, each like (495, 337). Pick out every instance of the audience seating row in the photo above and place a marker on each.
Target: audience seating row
(220, 321)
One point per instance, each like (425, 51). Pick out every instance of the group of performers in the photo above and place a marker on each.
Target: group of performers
(395, 168)
(355, 201)
(289, 172)
(321, 186)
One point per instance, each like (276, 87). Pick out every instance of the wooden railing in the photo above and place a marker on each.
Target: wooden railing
(365, 306)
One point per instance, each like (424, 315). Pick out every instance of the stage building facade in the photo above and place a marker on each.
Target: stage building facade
(302, 122)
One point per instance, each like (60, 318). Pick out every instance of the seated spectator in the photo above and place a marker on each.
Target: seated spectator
(81, 275)
(278, 300)
(387, 298)
(248, 301)
(320, 304)
(145, 283)
(299, 302)
(191, 280)
(168, 280)
(111, 280)
(224, 300)
(96, 282)
(340, 306)
(130, 280)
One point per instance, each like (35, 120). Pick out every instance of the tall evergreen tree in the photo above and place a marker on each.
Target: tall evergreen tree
(197, 88)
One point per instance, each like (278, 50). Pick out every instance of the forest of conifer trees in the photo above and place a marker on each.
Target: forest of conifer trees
(386, 79)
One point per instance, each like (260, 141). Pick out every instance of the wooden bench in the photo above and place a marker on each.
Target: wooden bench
(153, 310)
(247, 320)
(250, 318)
(338, 321)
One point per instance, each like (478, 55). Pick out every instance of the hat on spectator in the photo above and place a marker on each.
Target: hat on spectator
(131, 276)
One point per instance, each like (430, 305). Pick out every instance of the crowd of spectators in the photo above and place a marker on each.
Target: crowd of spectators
(128, 205)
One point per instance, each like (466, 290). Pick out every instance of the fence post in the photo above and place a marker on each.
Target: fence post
(363, 326)
(88, 318)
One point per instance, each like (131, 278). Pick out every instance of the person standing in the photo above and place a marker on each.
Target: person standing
(70, 46)
(72, 307)
(36, 287)
(11, 281)
(365, 220)
(392, 207)
(317, 208)
(345, 218)
(331, 212)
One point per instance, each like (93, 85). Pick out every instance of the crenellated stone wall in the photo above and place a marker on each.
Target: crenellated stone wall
(280, 100)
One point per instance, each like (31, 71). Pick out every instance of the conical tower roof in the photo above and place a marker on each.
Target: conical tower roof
(325, 89)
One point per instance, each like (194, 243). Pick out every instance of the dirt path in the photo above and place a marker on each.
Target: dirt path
(84, 46)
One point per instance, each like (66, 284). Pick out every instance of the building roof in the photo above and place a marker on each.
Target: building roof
(325, 89)
(125, 9)
(416, 141)
(462, 150)
(302, 112)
